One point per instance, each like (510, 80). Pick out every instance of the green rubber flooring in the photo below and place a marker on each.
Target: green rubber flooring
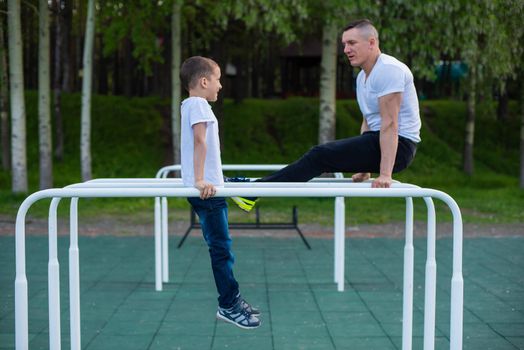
(293, 286)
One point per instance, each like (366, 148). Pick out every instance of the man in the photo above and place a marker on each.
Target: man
(390, 129)
(386, 96)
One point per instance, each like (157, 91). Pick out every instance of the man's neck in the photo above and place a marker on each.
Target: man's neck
(369, 64)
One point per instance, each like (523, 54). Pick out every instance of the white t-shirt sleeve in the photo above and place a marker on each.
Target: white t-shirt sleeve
(199, 112)
(391, 79)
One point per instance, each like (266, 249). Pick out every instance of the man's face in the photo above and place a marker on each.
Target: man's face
(213, 85)
(356, 48)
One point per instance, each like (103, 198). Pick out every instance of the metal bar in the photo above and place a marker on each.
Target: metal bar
(74, 277)
(53, 277)
(21, 309)
(158, 246)
(303, 238)
(339, 241)
(430, 295)
(407, 300)
(164, 241)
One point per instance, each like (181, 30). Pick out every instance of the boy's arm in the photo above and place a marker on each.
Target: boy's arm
(199, 156)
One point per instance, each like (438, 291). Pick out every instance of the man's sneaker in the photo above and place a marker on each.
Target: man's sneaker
(237, 179)
(238, 316)
(245, 305)
(246, 204)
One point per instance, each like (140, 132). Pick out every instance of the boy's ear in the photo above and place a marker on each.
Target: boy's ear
(203, 82)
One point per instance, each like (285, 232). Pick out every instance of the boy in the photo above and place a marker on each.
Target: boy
(202, 168)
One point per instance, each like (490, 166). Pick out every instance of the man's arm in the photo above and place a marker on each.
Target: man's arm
(364, 127)
(389, 108)
(199, 156)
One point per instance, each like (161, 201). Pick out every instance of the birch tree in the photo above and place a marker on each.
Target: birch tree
(85, 123)
(517, 34)
(333, 15)
(57, 81)
(176, 48)
(328, 75)
(44, 113)
(480, 33)
(16, 84)
(521, 109)
(4, 114)
(469, 132)
(482, 41)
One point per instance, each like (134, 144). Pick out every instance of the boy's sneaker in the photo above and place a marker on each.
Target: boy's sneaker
(238, 316)
(246, 306)
(246, 204)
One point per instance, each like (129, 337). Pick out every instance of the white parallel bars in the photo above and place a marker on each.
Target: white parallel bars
(160, 231)
(162, 214)
(258, 190)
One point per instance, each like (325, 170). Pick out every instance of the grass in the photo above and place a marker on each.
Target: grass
(130, 138)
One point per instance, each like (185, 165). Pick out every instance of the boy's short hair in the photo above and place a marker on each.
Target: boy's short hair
(195, 68)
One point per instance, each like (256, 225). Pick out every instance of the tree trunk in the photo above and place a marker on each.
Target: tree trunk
(175, 68)
(502, 106)
(103, 86)
(269, 71)
(328, 78)
(4, 110)
(239, 81)
(255, 75)
(85, 124)
(521, 134)
(57, 84)
(116, 88)
(16, 84)
(470, 124)
(127, 77)
(67, 19)
(78, 46)
(30, 64)
(44, 113)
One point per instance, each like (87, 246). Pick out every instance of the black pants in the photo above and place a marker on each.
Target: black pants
(359, 154)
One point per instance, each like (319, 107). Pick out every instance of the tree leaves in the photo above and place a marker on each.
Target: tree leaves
(142, 21)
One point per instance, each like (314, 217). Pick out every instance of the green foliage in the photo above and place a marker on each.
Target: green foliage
(141, 21)
(125, 137)
(494, 139)
(481, 33)
(279, 131)
(130, 140)
(264, 16)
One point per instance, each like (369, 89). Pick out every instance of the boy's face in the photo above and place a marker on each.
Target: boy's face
(213, 85)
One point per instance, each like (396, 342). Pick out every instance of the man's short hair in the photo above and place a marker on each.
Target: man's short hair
(194, 68)
(365, 26)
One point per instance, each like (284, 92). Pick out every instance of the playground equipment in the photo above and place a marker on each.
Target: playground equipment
(159, 190)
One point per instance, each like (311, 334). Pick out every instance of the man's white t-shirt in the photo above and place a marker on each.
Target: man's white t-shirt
(196, 110)
(389, 75)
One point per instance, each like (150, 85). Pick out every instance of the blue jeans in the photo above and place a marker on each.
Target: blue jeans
(213, 213)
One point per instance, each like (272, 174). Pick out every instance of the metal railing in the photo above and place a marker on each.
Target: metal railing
(161, 213)
(239, 189)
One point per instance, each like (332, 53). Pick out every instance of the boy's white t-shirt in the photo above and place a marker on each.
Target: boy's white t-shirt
(197, 110)
(389, 75)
